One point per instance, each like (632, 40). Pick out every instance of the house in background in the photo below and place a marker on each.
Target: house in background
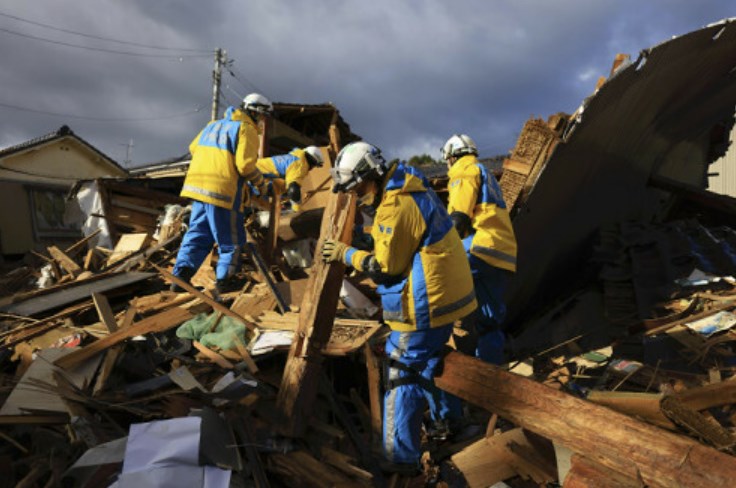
(35, 177)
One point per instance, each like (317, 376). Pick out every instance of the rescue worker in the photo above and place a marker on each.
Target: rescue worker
(424, 281)
(478, 211)
(285, 173)
(224, 158)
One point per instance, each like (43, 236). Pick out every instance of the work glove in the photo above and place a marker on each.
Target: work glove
(333, 251)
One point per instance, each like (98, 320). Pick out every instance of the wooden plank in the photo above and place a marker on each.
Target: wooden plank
(374, 395)
(155, 323)
(266, 274)
(213, 356)
(344, 463)
(89, 258)
(714, 395)
(65, 261)
(726, 305)
(585, 473)
(242, 425)
(487, 461)
(127, 245)
(517, 166)
(29, 395)
(108, 364)
(300, 468)
(303, 369)
(23, 333)
(104, 311)
(77, 247)
(217, 306)
(642, 405)
(112, 355)
(272, 235)
(245, 355)
(621, 443)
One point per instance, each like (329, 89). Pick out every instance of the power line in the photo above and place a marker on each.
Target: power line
(237, 95)
(226, 99)
(113, 51)
(29, 173)
(101, 119)
(129, 43)
(232, 70)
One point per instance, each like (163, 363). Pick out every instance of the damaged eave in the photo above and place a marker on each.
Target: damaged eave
(651, 119)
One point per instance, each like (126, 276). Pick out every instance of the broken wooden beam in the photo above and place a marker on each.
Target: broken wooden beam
(585, 473)
(155, 323)
(65, 261)
(217, 306)
(621, 443)
(302, 372)
(267, 278)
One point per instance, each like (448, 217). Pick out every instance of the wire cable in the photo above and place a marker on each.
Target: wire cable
(29, 173)
(113, 51)
(224, 98)
(238, 96)
(101, 119)
(90, 36)
(232, 70)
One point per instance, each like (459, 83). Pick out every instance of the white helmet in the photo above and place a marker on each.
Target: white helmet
(458, 145)
(255, 102)
(315, 154)
(356, 162)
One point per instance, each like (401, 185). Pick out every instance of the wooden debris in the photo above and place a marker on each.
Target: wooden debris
(156, 323)
(302, 371)
(65, 261)
(622, 443)
(127, 245)
(213, 356)
(217, 306)
(104, 311)
(585, 473)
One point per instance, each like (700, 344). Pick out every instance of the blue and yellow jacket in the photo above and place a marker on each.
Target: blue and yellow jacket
(292, 167)
(285, 169)
(417, 245)
(476, 193)
(224, 157)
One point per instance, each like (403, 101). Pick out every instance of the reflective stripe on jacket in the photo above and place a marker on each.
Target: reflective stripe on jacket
(415, 240)
(224, 156)
(476, 193)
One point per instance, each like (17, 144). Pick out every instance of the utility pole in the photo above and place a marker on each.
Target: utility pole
(220, 60)
(128, 151)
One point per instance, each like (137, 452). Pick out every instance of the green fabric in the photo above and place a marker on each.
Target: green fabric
(198, 329)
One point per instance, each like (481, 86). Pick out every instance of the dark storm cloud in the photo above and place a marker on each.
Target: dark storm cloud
(404, 74)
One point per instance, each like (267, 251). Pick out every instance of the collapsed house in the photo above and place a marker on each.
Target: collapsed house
(620, 317)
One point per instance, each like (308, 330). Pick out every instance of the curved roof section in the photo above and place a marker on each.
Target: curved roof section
(651, 119)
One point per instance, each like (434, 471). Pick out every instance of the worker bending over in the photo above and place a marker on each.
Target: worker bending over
(478, 211)
(224, 156)
(424, 281)
(285, 173)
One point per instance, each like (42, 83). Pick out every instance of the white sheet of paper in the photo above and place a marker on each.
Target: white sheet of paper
(268, 339)
(170, 442)
(165, 454)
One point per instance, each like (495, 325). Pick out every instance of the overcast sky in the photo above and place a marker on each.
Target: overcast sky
(404, 74)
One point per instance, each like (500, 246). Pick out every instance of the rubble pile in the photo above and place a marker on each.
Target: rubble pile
(622, 350)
